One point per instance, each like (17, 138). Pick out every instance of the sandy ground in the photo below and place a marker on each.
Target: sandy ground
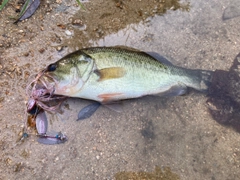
(177, 134)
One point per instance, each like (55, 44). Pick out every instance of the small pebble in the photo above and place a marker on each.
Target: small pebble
(68, 33)
(41, 50)
(77, 22)
(59, 48)
(58, 1)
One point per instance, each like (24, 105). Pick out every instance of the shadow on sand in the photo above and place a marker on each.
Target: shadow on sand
(224, 96)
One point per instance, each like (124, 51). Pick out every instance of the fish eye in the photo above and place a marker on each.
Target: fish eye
(52, 67)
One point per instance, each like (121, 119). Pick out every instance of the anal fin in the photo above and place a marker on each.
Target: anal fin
(177, 90)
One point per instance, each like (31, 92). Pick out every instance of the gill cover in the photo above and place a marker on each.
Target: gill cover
(71, 72)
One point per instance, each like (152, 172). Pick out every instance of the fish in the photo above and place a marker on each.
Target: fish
(109, 74)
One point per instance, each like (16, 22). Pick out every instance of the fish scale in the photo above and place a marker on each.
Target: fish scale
(127, 56)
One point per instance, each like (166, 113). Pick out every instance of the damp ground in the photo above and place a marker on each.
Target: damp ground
(153, 137)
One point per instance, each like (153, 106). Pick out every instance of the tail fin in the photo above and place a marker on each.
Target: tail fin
(201, 80)
(206, 80)
(197, 79)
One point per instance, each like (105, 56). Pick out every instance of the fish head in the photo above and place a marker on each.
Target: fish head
(69, 74)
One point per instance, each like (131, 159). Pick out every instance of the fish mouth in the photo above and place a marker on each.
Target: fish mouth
(48, 80)
(44, 81)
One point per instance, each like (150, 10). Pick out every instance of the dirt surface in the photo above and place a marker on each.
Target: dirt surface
(175, 138)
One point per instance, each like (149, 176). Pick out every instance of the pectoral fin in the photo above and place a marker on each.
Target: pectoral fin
(110, 73)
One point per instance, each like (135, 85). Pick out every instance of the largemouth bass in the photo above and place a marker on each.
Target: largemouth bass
(106, 74)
